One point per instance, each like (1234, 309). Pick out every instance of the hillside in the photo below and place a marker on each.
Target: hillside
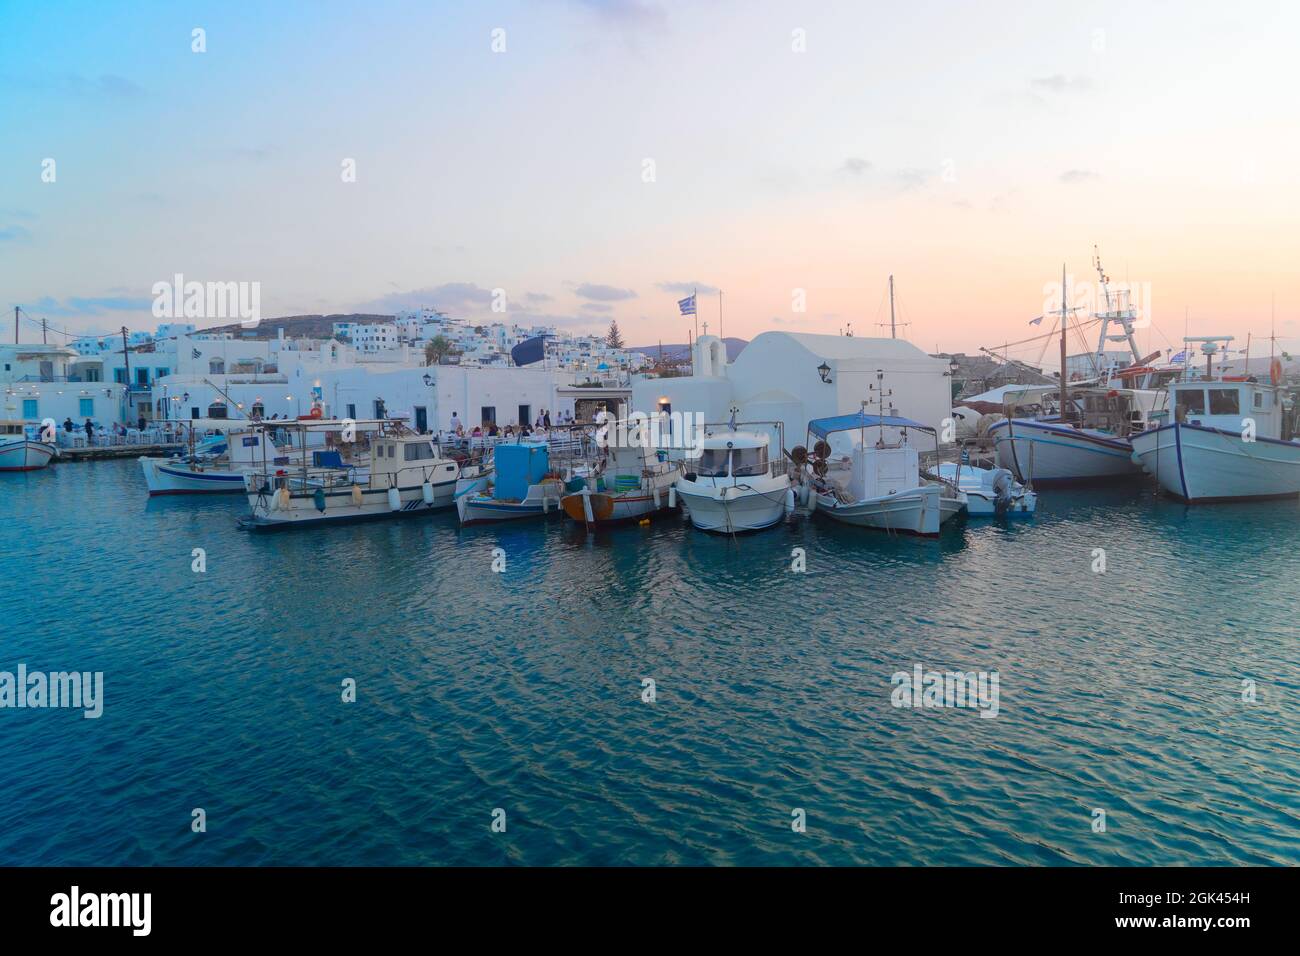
(312, 326)
(681, 352)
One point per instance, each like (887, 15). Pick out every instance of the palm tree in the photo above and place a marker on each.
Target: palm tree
(437, 348)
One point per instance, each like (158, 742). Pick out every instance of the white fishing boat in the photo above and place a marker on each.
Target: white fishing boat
(990, 492)
(216, 463)
(876, 482)
(1229, 440)
(736, 485)
(1087, 439)
(627, 483)
(407, 477)
(20, 453)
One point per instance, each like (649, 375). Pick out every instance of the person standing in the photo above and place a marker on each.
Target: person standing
(546, 419)
(68, 426)
(90, 432)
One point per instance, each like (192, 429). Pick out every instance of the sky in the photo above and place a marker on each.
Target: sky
(599, 159)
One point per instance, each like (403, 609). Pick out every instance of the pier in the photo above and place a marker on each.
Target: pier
(100, 453)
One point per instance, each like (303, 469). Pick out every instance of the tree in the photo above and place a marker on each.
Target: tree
(437, 348)
(615, 338)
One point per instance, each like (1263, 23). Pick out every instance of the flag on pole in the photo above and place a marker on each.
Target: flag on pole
(687, 305)
(1036, 321)
(1180, 357)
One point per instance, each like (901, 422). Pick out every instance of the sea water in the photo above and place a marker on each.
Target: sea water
(529, 693)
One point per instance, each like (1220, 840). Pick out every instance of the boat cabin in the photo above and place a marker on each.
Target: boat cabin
(1215, 403)
(734, 455)
(392, 454)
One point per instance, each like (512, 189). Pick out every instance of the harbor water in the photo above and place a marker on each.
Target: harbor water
(1161, 688)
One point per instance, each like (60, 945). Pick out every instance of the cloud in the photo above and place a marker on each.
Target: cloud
(855, 166)
(603, 293)
(626, 13)
(89, 305)
(910, 179)
(596, 307)
(686, 288)
(1074, 176)
(1060, 83)
(537, 297)
(448, 297)
(14, 233)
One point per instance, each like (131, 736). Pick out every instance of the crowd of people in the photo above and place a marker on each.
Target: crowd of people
(489, 429)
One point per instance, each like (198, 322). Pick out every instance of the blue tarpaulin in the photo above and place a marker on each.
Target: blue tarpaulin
(517, 467)
(529, 351)
(821, 427)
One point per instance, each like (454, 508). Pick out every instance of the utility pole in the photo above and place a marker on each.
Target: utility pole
(126, 356)
(44, 341)
(1065, 322)
(16, 325)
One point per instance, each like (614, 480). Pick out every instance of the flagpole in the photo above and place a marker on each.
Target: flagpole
(720, 335)
(695, 309)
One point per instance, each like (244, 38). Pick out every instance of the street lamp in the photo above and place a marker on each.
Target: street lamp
(824, 371)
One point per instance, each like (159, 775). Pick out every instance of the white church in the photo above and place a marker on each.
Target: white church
(795, 377)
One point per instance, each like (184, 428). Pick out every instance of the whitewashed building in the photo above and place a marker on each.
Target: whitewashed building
(794, 377)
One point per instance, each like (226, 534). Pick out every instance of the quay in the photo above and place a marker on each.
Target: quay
(100, 453)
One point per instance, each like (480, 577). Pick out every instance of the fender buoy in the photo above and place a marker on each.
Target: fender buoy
(394, 500)
(356, 495)
(1275, 371)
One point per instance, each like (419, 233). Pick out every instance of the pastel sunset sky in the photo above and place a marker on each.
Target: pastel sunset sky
(617, 154)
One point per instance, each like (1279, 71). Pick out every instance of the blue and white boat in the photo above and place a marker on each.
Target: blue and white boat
(522, 485)
(1228, 440)
(18, 452)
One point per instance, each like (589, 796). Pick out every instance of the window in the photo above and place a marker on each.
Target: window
(161, 372)
(352, 412)
(749, 461)
(489, 414)
(194, 412)
(142, 376)
(713, 463)
(525, 414)
(91, 374)
(216, 367)
(31, 408)
(86, 408)
(217, 410)
(119, 376)
(379, 408)
(258, 410)
(419, 452)
(1223, 401)
(1189, 403)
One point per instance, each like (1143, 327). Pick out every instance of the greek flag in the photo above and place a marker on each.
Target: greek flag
(1180, 357)
(195, 353)
(1036, 321)
(687, 305)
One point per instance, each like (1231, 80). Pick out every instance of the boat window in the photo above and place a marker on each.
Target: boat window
(1190, 402)
(713, 463)
(749, 461)
(418, 452)
(1260, 400)
(1223, 401)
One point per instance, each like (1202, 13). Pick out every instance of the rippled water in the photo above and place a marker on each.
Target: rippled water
(522, 690)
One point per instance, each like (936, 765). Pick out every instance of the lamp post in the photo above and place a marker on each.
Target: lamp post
(824, 371)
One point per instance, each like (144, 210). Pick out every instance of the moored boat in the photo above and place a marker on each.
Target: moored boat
(989, 492)
(1228, 441)
(20, 453)
(735, 486)
(522, 485)
(627, 483)
(407, 477)
(875, 483)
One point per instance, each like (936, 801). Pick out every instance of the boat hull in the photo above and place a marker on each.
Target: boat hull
(166, 477)
(726, 510)
(613, 508)
(24, 455)
(1046, 452)
(268, 511)
(483, 509)
(919, 511)
(1202, 465)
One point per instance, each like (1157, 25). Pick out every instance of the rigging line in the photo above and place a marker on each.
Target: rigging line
(1037, 338)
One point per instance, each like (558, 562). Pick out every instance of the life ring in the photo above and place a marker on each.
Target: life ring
(1275, 371)
(315, 412)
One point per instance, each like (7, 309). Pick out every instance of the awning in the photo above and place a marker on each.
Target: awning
(821, 427)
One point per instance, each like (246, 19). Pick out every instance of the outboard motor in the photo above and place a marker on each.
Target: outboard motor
(1002, 488)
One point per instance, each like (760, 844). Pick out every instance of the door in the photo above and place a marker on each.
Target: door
(421, 419)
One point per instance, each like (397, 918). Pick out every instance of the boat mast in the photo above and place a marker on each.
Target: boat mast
(893, 329)
(1065, 323)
